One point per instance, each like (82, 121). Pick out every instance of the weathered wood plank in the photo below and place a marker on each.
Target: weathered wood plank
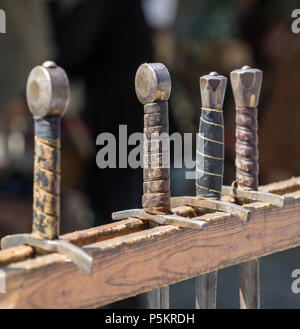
(88, 236)
(13, 255)
(138, 262)
(105, 232)
(206, 291)
(79, 238)
(283, 187)
(158, 298)
(249, 285)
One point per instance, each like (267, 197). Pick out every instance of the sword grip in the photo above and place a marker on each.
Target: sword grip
(47, 171)
(153, 87)
(246, 149)
(246, 84)
(210, 142)
(156, 186)
(210, 155)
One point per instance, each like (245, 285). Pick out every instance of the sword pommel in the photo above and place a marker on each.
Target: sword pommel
(152, 83)
(246, 84)
(48, 90)
(212, 88)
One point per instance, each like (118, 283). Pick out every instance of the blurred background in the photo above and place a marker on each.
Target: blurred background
(101, 44)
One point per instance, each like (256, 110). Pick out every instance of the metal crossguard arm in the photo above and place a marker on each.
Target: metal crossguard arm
(161, 219)
(48, 99)
(231, 208)
(271, 198)
(76, 255)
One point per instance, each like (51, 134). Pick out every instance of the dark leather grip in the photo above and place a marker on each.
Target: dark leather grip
(210, 154)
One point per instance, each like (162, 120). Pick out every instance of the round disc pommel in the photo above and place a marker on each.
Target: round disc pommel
(246, 84)
(48, 90)
(212, 87)
(152, 83)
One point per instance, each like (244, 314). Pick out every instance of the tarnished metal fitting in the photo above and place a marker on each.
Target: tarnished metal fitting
(152, 83)
(246, 84)
(48, 91)
(212, 88)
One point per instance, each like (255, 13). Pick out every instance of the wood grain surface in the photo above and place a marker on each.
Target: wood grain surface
(128, 265)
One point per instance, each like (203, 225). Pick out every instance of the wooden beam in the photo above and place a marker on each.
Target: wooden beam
(88, 236)
(206, 291)
(249, 285)
(13, 255)
(131, 264)
(79, 238)
(158, 298)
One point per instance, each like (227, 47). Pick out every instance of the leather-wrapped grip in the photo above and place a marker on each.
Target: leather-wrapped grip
(246, 85)
(246, 149)
(210, 154)
(156, 187)
(210, 142)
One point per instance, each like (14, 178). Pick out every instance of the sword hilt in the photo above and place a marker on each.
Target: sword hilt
(210, 142)
(153, 88)
(48, 98)
(246, 84)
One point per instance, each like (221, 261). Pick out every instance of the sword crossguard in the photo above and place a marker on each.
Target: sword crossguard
(79, 257)
(218, 205)
(271, 198)
(169, 219)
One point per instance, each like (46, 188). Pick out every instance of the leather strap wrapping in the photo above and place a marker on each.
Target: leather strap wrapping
(246, 161)
(210, 154)
(46, 195)
(156, 187)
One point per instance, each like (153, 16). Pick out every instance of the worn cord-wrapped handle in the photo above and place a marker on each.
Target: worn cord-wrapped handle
(153, 87)
(48, 98)
(246, 149)
(246, 85)
(210, 142)
(46, 193)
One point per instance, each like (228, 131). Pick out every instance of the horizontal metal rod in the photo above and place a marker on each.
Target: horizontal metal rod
(161, 219)
(273, 199)
(227, 207)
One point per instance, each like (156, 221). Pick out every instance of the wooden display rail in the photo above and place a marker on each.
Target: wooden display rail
(130, 259)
